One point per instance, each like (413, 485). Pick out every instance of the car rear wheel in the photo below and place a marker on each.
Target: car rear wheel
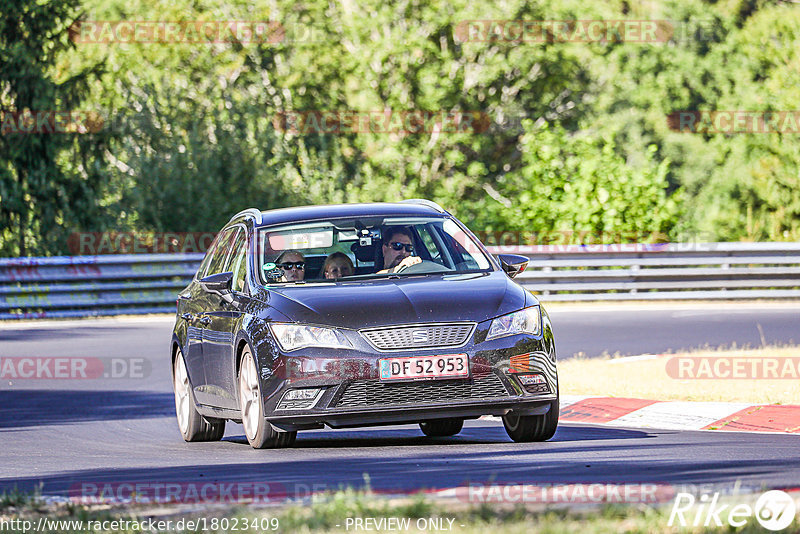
(193, 426)
(526, 428)
(259, 432)
(442, 427)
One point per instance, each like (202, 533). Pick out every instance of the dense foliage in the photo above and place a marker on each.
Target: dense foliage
(572, 138)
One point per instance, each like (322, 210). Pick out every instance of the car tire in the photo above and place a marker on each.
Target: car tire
(259, 432)
(192, 425)
(527, 428)
(442, 427)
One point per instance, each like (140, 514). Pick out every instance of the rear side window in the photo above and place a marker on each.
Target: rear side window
(209, 254)
(238, 263)
(224, 245)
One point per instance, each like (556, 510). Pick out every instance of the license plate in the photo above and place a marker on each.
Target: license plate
(425, 367)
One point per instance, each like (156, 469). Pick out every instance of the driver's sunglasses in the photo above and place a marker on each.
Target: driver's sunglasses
(396, 245)
(292, 265)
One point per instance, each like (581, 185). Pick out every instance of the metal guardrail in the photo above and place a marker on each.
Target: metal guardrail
(669, 271)
(80, 286)
(148, 283)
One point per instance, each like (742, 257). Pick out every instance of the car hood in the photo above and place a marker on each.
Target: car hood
(415, 299)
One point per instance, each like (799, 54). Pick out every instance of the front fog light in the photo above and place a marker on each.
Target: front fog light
(529, 380)
(300, 399)
(301, 394)
(533, 383)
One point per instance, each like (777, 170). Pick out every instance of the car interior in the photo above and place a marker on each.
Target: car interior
(362, 243)
(365, 253)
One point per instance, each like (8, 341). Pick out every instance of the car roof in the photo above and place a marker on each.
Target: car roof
(332, 211)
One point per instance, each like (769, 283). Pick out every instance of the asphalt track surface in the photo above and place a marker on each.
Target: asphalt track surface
(61, 435)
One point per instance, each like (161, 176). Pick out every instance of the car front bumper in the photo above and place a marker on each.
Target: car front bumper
(351, 392)
(412, 414)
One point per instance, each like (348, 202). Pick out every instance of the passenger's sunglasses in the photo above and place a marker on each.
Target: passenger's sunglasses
(395, 245)
(292, 265)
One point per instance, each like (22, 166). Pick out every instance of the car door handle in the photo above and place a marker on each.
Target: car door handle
(205, 320)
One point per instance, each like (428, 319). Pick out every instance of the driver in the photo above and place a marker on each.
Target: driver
(398, 245)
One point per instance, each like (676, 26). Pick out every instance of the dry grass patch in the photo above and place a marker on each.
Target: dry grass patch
(662, 377)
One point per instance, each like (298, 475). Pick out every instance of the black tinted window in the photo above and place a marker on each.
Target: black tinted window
(237, 263)
(207, 259)
(224, 245)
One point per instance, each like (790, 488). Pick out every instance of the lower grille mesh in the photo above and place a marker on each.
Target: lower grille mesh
(367, 393)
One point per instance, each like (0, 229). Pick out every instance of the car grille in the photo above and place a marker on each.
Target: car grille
(368, 393)
(419, 336)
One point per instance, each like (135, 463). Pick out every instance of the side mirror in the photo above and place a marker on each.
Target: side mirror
(513, 264)
(219, 284)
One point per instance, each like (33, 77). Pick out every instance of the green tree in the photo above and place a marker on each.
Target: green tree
(575, 138)
(49, 182)
(573, 188)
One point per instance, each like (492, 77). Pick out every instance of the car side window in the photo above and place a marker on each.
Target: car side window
(238, 263)
(427, 241)
(221, 253)
(460, 255)
(206, 260)
(209, 255)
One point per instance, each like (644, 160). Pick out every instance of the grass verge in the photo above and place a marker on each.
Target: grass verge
(341, 512)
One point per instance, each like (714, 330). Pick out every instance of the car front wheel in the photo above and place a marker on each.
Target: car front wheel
(193, 426)
(259, 432)
(527, 428)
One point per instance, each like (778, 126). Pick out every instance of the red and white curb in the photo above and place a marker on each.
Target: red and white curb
(680, 415)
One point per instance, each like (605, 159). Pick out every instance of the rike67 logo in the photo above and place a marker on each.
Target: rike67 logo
(774, 510)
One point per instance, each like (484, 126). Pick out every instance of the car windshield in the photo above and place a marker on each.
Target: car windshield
(364, 248)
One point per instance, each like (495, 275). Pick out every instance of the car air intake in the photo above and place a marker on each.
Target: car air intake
(368, 393)
(419, 336)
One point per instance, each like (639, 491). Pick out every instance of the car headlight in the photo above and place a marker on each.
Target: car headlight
(298, 336)
(527, 321)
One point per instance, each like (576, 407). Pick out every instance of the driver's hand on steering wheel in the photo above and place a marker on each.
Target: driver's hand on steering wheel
(407, 262)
